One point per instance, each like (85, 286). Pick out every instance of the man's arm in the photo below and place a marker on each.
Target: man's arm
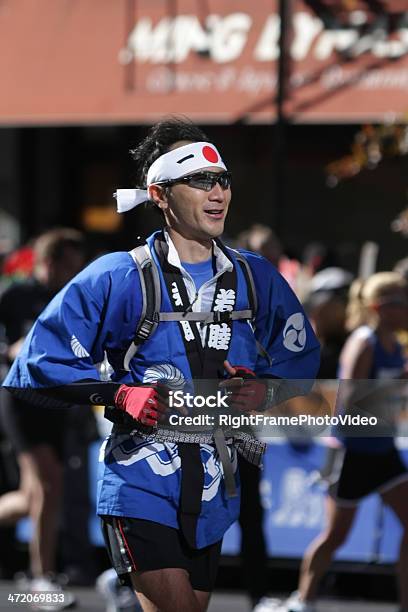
(145, 404)
(97, 393)
(283, 328)
(96, 312)
(285, 333)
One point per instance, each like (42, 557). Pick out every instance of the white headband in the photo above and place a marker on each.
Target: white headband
(171, 165)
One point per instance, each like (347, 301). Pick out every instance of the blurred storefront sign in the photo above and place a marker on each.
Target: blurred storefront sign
(130, 61)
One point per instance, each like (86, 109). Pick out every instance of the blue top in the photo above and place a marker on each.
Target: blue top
(385, 366)
(97, 313)
(200, 272)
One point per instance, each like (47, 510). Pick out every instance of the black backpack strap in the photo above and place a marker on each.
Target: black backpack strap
(151, 299)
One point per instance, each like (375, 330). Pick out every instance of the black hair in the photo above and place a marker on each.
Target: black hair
(159, 140)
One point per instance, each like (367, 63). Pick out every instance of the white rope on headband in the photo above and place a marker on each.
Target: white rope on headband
(171, 165)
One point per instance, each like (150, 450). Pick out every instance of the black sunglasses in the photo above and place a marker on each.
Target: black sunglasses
(202, 180)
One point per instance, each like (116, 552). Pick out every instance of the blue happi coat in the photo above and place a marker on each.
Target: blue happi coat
(97, 313)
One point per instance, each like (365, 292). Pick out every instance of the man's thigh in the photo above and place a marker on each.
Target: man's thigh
(143, 548)
(168, 590)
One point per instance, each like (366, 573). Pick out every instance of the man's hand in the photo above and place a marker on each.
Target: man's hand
(246, 392)
(147, 405)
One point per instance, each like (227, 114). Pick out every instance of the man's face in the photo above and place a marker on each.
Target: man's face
(195, 213)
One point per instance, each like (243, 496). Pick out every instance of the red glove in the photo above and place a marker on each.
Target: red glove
(246, 392)
(144, 404)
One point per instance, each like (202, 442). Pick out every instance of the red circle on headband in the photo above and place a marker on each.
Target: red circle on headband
(210, 154)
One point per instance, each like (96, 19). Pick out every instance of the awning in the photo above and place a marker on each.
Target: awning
(132, 61)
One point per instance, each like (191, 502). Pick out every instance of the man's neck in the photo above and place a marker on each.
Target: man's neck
(191, 250)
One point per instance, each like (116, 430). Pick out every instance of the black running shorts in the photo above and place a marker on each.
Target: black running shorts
(365, 473)
(136, 545)
(29, 426)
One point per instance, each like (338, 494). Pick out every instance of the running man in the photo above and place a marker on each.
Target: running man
(166, 502)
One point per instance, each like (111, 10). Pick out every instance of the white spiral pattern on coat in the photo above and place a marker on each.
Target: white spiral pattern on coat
(77, 348)
(166, 374)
